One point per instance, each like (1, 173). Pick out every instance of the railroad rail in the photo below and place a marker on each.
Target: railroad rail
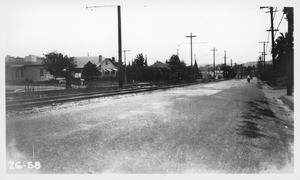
(26, 103)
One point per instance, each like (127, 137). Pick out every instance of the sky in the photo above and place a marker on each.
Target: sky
(153, 27)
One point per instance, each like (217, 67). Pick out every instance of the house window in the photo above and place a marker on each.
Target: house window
(41, 72)
(106, 62)
(17, 73)
(22, 72)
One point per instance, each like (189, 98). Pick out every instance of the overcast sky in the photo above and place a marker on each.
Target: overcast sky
(156, 28)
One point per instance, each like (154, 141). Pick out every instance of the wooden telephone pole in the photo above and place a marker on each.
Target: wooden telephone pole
(191, 36)
(120, 74)
(214, 54)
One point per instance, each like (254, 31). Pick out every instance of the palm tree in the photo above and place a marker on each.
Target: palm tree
(282, 50)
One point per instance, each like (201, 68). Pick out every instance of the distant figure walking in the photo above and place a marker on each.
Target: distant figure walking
(248, 78)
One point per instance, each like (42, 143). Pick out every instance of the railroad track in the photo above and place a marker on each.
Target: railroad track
(26, 103)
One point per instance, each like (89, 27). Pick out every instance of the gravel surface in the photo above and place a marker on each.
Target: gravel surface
(224, 127)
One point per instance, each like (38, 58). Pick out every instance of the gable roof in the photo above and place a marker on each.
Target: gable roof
(108, 59)
(83, 60)
(160, 65)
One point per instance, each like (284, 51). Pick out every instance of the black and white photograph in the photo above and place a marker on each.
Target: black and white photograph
(159, 89)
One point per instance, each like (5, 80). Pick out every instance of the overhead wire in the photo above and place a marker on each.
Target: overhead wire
(276, 28)
(279, 23)
(275, 13)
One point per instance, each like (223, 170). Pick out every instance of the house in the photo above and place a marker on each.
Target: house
(219, 74)
(83, 60)
(208, 72)
(29, 68)
(108, 67)
(160, 65)
(163, 69)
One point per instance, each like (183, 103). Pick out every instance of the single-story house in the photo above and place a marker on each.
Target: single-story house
(25, 69)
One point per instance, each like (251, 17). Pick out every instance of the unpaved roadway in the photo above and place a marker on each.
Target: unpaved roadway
(223, 127)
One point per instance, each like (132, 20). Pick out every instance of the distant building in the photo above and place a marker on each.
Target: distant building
(160, 65)
(208, 72)
(83, 60)
(219, 74)
(108, 67)
(27, 69)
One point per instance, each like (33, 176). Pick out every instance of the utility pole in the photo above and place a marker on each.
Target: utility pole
(225, 64)
(120, 48)
(119, 39)
(191, 37)
(125, 64)
(272, 37)
(264, 56)
(231, 63)
(214, 53)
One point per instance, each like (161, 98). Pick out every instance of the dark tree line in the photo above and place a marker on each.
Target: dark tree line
(176, 70)
(284, 54)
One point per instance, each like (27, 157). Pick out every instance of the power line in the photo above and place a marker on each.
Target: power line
(279, 23)
(272, 36)
(275, 12)
(272, 19)
(92, 7)
(277, 28)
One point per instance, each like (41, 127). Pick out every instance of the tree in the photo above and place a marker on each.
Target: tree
(174, 60)
(178, 68)
(56, 62)
(281, 52)
(289, 12)
(90, 70)
(197, 71)
(146, 62)
(139, 60)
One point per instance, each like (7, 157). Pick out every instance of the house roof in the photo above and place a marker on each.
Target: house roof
(23, 63)
(160, 65)
(81, 61)
(108, 59)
